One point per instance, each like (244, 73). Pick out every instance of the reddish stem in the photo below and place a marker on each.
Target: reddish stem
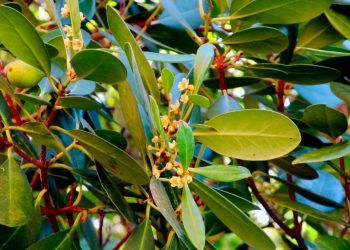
(13, 110)
(35, 179)
(221, 69)
(100, 229)
(124, 239)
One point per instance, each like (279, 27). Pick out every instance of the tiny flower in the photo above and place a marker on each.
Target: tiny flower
(179, 171)
(156, 172)
(175, 107)
(184, 98)
(68, 30)
(149, 147)
(175, 181)
(160, 80)
(169, 166)
(172, 145)
(67, 43)
(165, 121)
(187, 178)
(65, 12)
(183, 85)
(77, 44)
(155, 139)
(171, 129)
(190, 88)
(81, 16)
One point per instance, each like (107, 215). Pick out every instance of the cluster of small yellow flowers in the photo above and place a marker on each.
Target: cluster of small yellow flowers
(186, 88)
(76, 44)
(166, 155)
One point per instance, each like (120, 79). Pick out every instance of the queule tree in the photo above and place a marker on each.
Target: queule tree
(182, 124)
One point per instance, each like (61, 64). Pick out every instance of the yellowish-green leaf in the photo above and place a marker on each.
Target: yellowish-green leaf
(225, 173)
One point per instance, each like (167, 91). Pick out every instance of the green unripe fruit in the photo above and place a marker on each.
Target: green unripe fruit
(23, 75)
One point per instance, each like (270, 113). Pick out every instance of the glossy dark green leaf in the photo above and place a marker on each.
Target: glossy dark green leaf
(58, 241)
(341, 63)
(240, 202)
(117, 161)
(113, 137)
(90, 234)
(309, 194)
(174, 12)
(231, 82)
(185, 144)
(162, 201)
(325, 154)
(73, 6)
(342, 91)
(115, 195)
(300, 170)
(141, 238)
(225, 173)
(98, 65)
(340, 21)
(16, 207)
(299, 73)
(199, 100)
(79, 102)
(325, 119)
(318, 33)
(123, 35)
(279, 12)
(167, 80)
(171, 58)
(258, 40)
(326, 242)
(36, 100)
(284, 201)
(223, 104)
(19, 36)
(192, 219)
(42, 135)
(269, 134)
(203, 60)
(233, 218)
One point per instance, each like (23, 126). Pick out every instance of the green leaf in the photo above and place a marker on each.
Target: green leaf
(231, 82)
(89, 232)
(326, 242)
(58, 241)
(340, 22)
(299, 73)
(279, 12)
(203, 60)
(342, 91)
(192, 219)
(117, 161)
(123, 35)
(325, 154)
(308, 194)
(36, 100)
(255, 134)
(237, 221)
(16, 207)
(19, 36)
(223, 104)
(199, 100)
(225, 173)
(171, 8)
(113, 137)
(79, 102)
(284, 201)
(141, 238)
(98, 65)
(300, 170)
(162, 201)
(158, 122)
(318, 33)
(185, 144)
(167, 80)
(326, 120)
(258, 40)
(5, 86)
(171, 58)
(114, 194)
(42, 135)
(240, 202)
(73, 6)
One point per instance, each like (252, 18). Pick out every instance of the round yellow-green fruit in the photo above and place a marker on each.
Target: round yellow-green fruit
(23, 75)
